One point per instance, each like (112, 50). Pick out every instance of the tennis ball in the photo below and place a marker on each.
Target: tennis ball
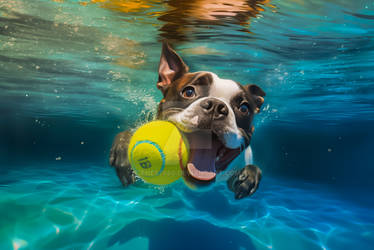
(158, 152)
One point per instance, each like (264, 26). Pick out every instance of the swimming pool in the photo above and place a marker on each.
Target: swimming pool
(75, 73)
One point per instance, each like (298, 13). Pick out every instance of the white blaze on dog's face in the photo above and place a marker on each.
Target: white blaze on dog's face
(215, 114)
(223, 90)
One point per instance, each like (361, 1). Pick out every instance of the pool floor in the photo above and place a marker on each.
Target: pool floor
(83, 206)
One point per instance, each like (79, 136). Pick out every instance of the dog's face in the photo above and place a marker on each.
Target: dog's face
(215, 114)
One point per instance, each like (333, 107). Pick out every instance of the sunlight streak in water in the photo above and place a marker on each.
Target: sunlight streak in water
(73, 73)
(270, 219)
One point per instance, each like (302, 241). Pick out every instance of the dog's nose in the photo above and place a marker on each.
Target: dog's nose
(216, 107)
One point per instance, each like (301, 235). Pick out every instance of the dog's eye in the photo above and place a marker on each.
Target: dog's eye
(244, 108)
(188, 92)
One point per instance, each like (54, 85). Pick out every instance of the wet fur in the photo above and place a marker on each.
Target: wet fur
(173, 77)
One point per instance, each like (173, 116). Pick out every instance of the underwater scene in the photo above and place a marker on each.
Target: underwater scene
(74, 73)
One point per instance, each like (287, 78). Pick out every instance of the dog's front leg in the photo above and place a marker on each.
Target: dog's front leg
(118, 158)
(245, 181)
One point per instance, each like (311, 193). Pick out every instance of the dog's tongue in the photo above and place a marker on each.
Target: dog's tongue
(203, 152)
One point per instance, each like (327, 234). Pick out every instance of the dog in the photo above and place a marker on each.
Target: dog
(216, 117)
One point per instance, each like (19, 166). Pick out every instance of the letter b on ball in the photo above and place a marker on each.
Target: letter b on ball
(158, 152)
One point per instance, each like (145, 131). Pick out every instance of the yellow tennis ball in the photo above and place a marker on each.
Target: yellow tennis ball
(157, 152)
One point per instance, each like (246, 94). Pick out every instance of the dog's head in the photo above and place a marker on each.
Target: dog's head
(215, 114)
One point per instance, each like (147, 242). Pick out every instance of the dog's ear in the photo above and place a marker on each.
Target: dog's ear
(257, 94)
(171, 67)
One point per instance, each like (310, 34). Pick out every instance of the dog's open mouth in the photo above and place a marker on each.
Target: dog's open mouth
(207, 155)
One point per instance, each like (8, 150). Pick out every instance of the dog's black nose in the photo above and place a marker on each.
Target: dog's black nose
(216, 107)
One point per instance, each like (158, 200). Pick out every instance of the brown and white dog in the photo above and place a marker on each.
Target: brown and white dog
(216, 116)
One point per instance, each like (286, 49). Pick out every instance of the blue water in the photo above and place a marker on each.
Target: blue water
(75, 73)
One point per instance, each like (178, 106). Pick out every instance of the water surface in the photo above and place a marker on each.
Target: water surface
(75, 73)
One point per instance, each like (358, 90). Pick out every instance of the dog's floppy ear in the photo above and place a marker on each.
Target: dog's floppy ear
(171, 67)
(257, 94)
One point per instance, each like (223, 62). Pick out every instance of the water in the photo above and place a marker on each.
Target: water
(75, 73)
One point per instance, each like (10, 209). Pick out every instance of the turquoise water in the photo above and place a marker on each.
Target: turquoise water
(75, 73)
(85, 208)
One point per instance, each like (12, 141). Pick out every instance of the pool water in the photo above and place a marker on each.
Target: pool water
(75, 73)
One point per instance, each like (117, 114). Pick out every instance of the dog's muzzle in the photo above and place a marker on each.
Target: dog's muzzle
(213, 111)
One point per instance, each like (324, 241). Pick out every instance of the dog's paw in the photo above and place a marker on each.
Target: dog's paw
(118, 158)
(118, 152)
(245, 181)
(126, 175)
